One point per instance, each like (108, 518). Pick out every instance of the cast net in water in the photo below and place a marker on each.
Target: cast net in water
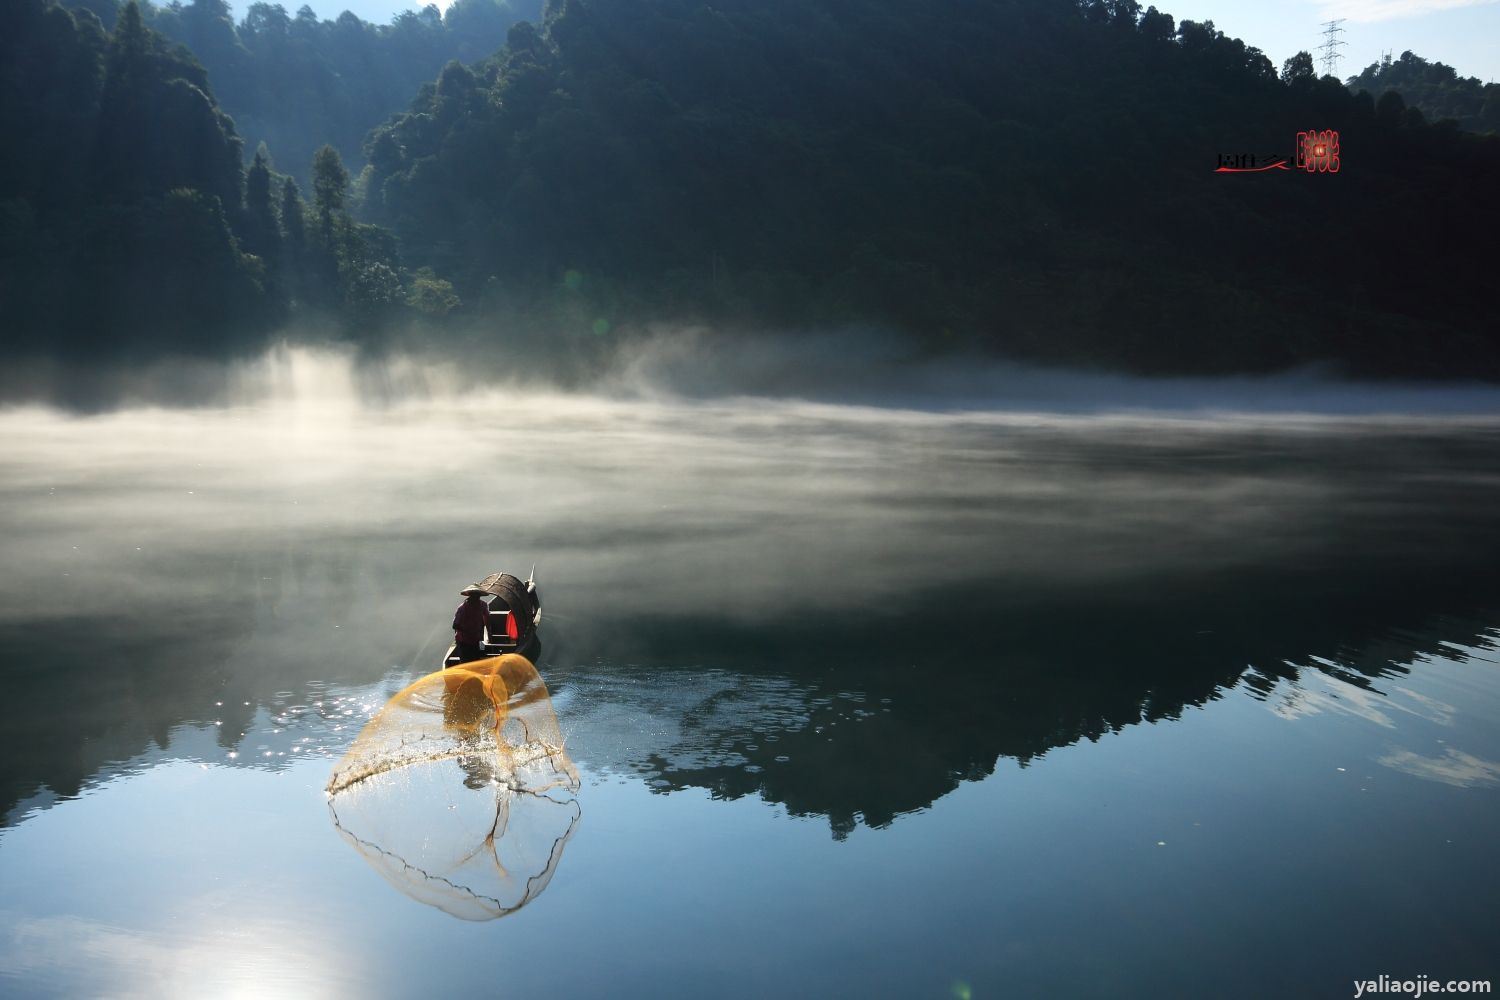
(458, 792)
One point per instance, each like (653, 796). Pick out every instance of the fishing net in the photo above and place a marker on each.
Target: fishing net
(458, 792)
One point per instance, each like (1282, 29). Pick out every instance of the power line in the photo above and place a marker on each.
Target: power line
(1331, 45)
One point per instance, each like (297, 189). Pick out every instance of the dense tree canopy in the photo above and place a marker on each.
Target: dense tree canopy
(117, 183)
(1033, 176)
(128, 223)
(1435, 89)
(297, 82)
(1037, 175)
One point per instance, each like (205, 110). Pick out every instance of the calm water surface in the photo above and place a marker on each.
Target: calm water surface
(865, 702)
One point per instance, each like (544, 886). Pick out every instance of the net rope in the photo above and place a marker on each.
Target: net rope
(459, 792)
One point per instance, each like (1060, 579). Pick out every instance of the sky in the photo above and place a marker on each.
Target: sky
(1465, 34)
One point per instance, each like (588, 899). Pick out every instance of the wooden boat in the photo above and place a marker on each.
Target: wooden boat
(515, 611)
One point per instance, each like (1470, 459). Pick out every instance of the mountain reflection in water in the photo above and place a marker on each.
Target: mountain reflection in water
(844, 610)
(842, 725)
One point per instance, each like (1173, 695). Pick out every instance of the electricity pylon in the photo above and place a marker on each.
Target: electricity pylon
(1331, 45)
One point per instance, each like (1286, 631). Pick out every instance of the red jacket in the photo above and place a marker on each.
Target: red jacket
(468, 621)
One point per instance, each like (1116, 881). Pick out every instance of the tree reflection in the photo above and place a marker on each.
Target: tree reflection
(831, 719)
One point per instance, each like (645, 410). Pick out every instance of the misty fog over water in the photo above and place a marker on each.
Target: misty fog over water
(1110, 637)
(857, 367)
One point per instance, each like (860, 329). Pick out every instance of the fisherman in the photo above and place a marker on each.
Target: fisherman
(468, 624)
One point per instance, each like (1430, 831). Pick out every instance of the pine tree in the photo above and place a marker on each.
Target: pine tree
(330, 182)
(293, 229)
(293, 240)
(262, 234)
(120, 169)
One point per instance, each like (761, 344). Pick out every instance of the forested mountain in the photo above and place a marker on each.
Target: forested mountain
(1437, 90)
(1035, 177)
(128, 222)
(297, 83)
(1032, 175)
(114, 181)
